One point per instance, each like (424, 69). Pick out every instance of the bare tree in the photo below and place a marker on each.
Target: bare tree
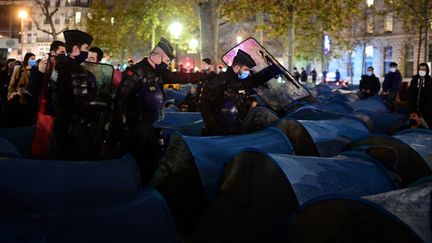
(48, 13)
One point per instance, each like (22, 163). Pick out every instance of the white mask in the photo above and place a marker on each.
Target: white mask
(369, 73)
(422, 73)
(392, 70)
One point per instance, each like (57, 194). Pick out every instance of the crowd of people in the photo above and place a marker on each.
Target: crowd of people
(86, 122)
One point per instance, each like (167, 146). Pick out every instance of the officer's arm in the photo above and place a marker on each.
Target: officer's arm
(207, 104)
(126, 89)
(263, 76)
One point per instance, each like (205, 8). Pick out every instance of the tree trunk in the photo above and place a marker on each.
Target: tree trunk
(419, 44)
(209, 29)
(350, 67)
(426, 24)
(363, 58)
(153, 37)
(291, 38)
(260, 21)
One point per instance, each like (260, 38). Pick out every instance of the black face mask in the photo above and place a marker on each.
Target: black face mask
(161, 68)
(412, 122)
(82, 56)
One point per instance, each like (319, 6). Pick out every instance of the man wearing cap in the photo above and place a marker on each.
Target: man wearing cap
(69, 98)
(223, 103)
(391, 85)
(138, 104)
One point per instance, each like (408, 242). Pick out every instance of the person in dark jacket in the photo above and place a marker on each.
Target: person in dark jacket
(391, 85)
(303, 75)
(207, 73)
(223, 103)
(369, 84)
(337, 75)
(420, 93)
(313, 73)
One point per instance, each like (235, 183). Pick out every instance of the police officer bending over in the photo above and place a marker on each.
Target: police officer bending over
(138, 104)
(223, 103)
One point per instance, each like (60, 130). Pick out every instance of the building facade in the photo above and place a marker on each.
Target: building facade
(387, 41)
(70, 14)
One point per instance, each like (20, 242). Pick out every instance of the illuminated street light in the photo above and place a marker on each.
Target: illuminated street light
(175, 29)
(193, 44)
(22, 14)
(239, 39)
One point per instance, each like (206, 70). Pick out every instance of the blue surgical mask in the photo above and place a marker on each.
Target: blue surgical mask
(243, 74)
(369, 73)
(32, 62)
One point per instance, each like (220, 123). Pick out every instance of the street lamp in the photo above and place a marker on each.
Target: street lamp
(239, 39)
(175, 29)
(22, 14)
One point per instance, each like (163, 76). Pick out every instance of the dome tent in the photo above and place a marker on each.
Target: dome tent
(261, 190)
(191, 170)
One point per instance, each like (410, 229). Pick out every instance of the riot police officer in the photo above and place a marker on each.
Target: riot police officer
(138, 104)
(70, 93)
(223, 103)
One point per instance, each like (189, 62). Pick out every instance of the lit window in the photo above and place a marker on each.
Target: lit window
(369, 3)
(369, 51)
(77, 17)
(388, 24)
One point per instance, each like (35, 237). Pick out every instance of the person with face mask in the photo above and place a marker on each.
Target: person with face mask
(223, 103)
(369, 84)
(17, 108)
(420, 93)
(391, 85)
(68, 96)
(139, 102)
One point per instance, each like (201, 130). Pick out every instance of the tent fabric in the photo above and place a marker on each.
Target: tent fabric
(211, 154)
(145, 219)
(8, 150)
(187, 123)
(395, 216)
(60, 186)
(174, 95)
(261, 190)
(334, 106)
(420, 140)
(191, 170)
(373, 103)
(20, 137)
(311, 177)
(402, 159)
(313, 113)
(328, 136)
(382, 122)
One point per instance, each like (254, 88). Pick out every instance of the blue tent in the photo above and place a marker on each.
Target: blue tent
(42, 186)
(171, 94)
(187, 123)
(420, 140)
(373, 103)
(407, 154)
(261, 190)
(381, 122)
(7, 149)
(143, 219)
(323, 137)
(192, 168)
(397, 216)
(20, 137)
